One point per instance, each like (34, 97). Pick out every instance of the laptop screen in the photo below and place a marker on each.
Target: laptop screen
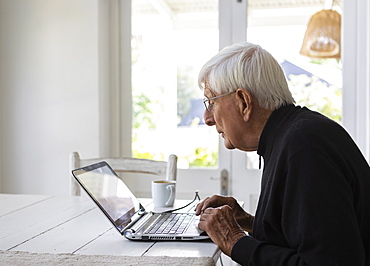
(109, 192)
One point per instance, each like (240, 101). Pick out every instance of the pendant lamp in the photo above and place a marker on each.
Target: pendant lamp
(322, 37)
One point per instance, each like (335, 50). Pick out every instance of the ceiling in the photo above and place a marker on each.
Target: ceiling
(175, 7)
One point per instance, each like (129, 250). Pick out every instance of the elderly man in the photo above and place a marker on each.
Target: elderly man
(314, 206)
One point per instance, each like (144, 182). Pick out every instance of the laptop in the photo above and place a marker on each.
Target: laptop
(127, 214)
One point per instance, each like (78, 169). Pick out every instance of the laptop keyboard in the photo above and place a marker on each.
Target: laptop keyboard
(170, 223)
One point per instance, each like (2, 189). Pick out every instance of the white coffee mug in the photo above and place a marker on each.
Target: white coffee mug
(163, 193)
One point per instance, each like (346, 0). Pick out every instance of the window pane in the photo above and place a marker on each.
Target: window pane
(171, 40)
(280, 29)
(315, 83)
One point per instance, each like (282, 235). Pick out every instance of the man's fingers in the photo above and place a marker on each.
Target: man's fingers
(213, 201)
(200, 206)
(205, 219)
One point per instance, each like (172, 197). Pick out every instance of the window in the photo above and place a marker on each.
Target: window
(280, 29)
(170, 43)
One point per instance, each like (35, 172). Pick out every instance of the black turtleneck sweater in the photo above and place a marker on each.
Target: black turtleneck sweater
(314, 207)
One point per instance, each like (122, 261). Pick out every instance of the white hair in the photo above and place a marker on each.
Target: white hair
(247, 66)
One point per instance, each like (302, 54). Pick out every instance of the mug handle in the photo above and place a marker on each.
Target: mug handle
(172, 193)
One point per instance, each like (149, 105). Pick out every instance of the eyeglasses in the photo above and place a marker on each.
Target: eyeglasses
(209, 105)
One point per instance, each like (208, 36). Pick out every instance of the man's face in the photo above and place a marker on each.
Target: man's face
(237, 117)
(225, 116)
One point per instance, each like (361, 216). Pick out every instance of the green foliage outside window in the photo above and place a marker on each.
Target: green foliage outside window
(142, 113)
(317, 95)
(203, 158)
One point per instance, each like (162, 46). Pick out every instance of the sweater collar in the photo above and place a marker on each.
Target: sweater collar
(277, 117)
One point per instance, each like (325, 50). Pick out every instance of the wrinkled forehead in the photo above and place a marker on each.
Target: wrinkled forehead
(212, 85)
(207, 89)
(206, 85)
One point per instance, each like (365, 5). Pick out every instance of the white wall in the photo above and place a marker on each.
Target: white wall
(48, 91)
(356, 69)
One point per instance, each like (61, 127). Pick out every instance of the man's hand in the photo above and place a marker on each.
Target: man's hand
(221, 227)
(244, 219)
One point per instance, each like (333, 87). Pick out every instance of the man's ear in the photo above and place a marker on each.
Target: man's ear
(245, 103)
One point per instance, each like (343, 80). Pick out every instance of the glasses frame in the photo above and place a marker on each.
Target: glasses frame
(209, 105)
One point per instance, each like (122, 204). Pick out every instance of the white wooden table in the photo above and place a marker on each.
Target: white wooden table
(35, 226)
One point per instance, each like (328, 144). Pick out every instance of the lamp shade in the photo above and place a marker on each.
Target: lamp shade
(322, 37)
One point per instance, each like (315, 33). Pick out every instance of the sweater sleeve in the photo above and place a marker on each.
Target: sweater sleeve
(242, 249)
(316, 219)
(249, 251)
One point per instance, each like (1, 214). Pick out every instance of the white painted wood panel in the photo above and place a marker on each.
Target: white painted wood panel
(27, 223)
(69, 236)
(112, 243)
(16, 202)
(184, 249)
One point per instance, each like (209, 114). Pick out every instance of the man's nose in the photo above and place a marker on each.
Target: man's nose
(208, 118)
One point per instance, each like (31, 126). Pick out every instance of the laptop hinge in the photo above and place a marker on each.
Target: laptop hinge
(138, 223)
